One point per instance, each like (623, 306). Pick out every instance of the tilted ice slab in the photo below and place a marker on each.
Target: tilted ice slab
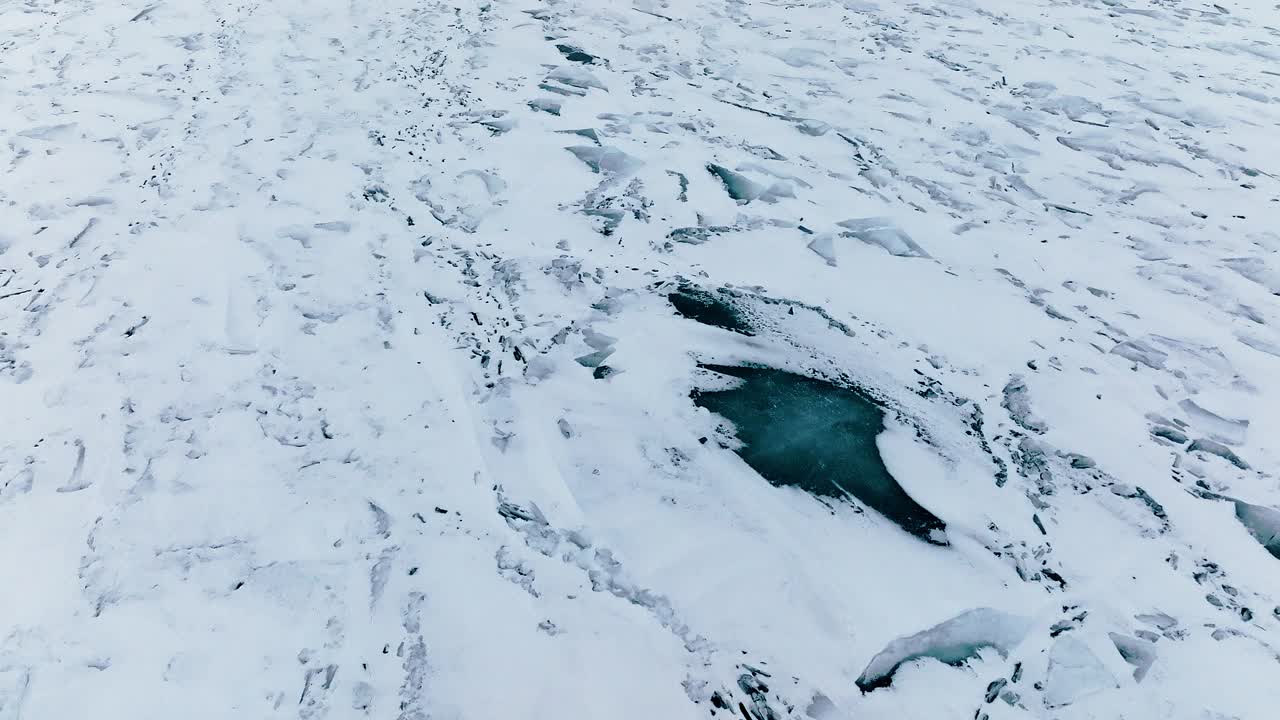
(951, 642)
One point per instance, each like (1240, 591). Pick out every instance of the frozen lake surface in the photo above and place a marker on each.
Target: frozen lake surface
(366, 360)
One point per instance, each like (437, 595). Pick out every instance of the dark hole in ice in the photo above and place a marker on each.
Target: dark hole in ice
(704, 307)
(816, 436)
(573, 54)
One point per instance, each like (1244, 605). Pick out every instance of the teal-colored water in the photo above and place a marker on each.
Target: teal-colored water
(816, 436)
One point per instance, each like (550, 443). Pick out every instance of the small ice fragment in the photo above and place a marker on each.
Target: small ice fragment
(881, 231)
(1169, 433)
(574, 76)
(1260, 344)
(605, 160)
(546, 105)
(49, 132)
(93, 201)
(1263, 523)
(598, 340)
(740, 187)
(499, 125)
(588, 133)
(1138, 653)
(595, 359)
(1074, 672)
(951, 642)
(1158, 620)
(1257, 270)
(824, 246)
(809, 126)
(1140, 351)
(1216, 448)
(1224, 430)
(562, 90)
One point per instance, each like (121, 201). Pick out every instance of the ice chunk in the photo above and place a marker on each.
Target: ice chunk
(951, 642)
(1140, 351)
(564, 90)
(1159, 620)
(1169, 433)
(546, 105)
(594, 359)
(824, 245)
(1224, 430)
(817, 436)
(812, 127)
(801, 57)
(1263, 523)
(739, 186)
(493, 185)
(1138, 653)
(1074, 672)
(605, 160)
(1260, 344)
(575, 76)
(881, 231)
(601, 344)
(588, 133)
(598, 340)
(1216, 448)
(498, 125)
(1257, 270)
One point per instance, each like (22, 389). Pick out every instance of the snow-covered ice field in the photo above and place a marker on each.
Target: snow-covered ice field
(341, 372)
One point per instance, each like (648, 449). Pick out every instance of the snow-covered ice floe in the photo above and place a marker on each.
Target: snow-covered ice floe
(825, 359)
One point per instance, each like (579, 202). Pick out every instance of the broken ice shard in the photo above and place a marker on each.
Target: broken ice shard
(952, 642)
(602, 345)
(594, 359)
(546, 105)
(588, 133)
(815, 128)
(1263, 523)
(1228, 431)
(881, 231)
(1138, 653)
(575, 77)
(743, 189)
(605, 160)
(816, 436)
(1213, 447)
(1140, 351)
(739, 186)
(824, 246)
(1257, 270)
(1074, 672)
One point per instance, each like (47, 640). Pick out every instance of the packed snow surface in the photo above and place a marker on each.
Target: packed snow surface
(349, 355)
